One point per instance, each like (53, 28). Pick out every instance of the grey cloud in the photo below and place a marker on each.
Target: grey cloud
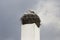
(12, 10)
(51, 30)
(10, 13)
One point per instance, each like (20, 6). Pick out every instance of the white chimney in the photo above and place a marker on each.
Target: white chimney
(30, 30)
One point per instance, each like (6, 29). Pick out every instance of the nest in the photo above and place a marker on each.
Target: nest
(31, 18)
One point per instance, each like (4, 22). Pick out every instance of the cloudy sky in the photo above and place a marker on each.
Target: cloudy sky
(12, 10)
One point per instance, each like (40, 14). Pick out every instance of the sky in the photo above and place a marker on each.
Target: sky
(12, 10)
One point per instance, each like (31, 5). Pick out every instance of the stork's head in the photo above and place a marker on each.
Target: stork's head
(30, 18)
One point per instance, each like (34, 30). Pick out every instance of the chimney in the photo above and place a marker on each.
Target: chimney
(30, 28)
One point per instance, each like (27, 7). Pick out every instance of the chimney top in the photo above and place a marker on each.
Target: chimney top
(30, 18)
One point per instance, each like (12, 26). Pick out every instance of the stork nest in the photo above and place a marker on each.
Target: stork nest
(31, 18)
